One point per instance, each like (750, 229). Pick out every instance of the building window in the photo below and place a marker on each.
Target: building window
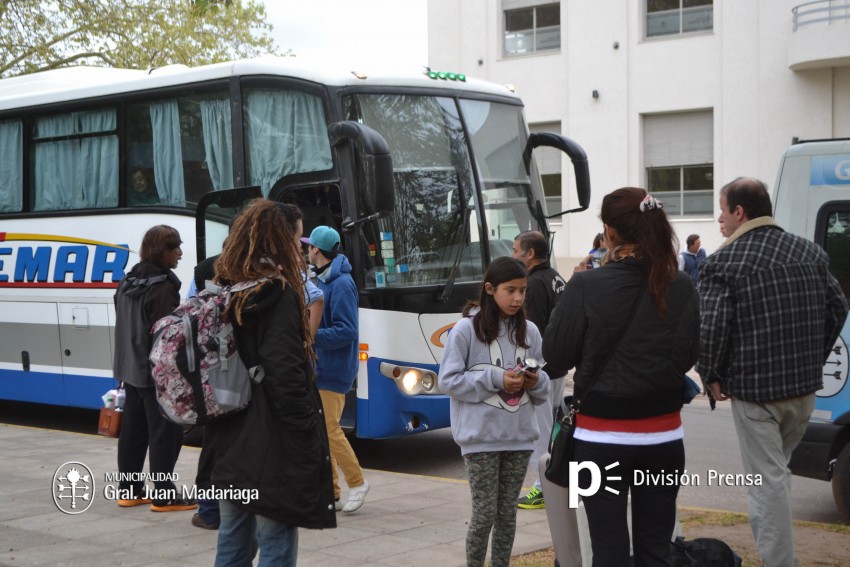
(675, 17)
(548, 162)
(531, 28)
(679, 160)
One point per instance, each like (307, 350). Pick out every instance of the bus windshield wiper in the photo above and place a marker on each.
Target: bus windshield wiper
(453, 272)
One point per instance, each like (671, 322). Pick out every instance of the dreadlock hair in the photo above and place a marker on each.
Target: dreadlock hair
(486, 320)
(262, 244)
(649, 233)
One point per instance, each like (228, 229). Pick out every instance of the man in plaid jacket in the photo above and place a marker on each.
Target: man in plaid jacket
(770, 311)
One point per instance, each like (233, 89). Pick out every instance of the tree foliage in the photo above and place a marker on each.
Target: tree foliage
(37, 35)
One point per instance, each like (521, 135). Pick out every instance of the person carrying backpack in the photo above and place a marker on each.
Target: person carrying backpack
(276, 450)
(147, 293)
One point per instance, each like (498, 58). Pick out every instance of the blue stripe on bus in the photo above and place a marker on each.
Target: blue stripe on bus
(388, 412)
(53, 388)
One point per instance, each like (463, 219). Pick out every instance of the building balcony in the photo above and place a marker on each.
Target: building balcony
(821, 35)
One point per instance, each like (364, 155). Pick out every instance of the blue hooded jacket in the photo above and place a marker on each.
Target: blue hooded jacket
(336, 340)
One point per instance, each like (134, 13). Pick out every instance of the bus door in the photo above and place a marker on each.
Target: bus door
(85, 350)
(30, 361)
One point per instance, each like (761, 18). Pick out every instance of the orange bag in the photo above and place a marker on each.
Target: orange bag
(109, 423)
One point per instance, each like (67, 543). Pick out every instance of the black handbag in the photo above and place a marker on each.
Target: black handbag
(561, 443)
(562, 440)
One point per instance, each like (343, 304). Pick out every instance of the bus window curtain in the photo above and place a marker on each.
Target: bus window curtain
(11, 166)
(218, 144)
(168, 153)
(55, 164)
(287, 134)
(98, 161)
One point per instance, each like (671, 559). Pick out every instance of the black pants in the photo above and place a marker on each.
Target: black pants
(143, 427)
(653, 501)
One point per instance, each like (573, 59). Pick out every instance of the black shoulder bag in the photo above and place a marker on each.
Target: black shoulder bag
(562, 440)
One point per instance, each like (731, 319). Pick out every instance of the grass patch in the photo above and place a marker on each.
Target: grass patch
(689, 517)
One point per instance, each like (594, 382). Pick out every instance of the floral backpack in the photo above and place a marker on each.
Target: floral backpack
(195, 363)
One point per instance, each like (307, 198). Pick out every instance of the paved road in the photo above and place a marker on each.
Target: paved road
(710, 443)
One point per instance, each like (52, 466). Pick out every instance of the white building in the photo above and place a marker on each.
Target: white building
(680, 96)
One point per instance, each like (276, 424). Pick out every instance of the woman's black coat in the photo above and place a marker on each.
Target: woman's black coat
(644, 375)
(279, 444)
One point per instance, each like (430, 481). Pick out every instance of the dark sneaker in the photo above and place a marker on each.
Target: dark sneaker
(199, 522)
(173, 505)
(533, 500)
(129, 503)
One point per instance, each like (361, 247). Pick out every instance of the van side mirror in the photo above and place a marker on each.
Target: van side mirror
(377, 163)
(579, 160)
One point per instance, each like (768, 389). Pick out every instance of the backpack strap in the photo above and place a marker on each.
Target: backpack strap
(140, 282)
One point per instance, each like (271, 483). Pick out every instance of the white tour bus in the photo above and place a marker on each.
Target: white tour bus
(812, 199)
(427, 176)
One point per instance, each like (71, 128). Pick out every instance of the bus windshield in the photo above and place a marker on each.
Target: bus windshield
(437, 226)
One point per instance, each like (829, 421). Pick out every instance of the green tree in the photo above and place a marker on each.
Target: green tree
(37, 35)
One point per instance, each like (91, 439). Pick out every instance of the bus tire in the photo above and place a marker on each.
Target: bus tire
(841, 482)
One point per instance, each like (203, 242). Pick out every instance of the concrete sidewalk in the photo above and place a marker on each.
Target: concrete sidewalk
(407, 520)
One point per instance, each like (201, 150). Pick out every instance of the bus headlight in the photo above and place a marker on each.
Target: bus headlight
(411, 380)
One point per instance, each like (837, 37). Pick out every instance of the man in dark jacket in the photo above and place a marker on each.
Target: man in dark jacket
(545, 286)
(771, 311)
(147, 293)
(337, 352)
(692, 256)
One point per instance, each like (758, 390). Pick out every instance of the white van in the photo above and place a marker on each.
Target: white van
(812, 199)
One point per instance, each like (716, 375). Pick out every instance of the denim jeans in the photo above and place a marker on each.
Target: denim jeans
(208, 511)
(278, 543)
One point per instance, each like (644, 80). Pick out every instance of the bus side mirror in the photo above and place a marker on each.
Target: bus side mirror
(377, 161)
(578, 157)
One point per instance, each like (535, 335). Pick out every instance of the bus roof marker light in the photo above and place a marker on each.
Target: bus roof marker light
(360, 75)
(461, 77)
(452, 76)
(442, 75)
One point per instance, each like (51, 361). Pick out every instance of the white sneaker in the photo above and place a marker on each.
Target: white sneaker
(356, 496)
(338, 505)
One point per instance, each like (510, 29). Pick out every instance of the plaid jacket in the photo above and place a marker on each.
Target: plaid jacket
(770, 313)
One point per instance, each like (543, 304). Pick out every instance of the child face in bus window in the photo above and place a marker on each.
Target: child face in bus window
(140, 182)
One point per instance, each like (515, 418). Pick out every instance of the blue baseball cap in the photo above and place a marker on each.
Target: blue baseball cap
(325, 239)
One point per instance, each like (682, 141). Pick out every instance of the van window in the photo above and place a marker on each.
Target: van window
(837, 244)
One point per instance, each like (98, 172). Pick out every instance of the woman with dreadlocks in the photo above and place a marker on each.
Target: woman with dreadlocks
(275, 453)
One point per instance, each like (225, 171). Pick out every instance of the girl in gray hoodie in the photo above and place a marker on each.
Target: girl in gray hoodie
(492, 411)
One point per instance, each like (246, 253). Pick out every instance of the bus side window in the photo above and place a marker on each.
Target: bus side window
(11, 166)
(837, 246)
(75, 160)
(185, 143)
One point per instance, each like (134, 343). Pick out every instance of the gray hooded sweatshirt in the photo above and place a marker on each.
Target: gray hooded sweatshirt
(484, 417)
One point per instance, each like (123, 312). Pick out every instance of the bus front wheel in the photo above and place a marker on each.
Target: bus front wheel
(841, 482)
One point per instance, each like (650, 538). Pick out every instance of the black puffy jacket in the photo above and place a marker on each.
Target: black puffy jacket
(644, 376)
(279, 444)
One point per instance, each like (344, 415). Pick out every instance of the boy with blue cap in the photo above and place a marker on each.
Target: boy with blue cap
(336, 347)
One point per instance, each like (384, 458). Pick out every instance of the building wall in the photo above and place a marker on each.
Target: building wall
(739, 70)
